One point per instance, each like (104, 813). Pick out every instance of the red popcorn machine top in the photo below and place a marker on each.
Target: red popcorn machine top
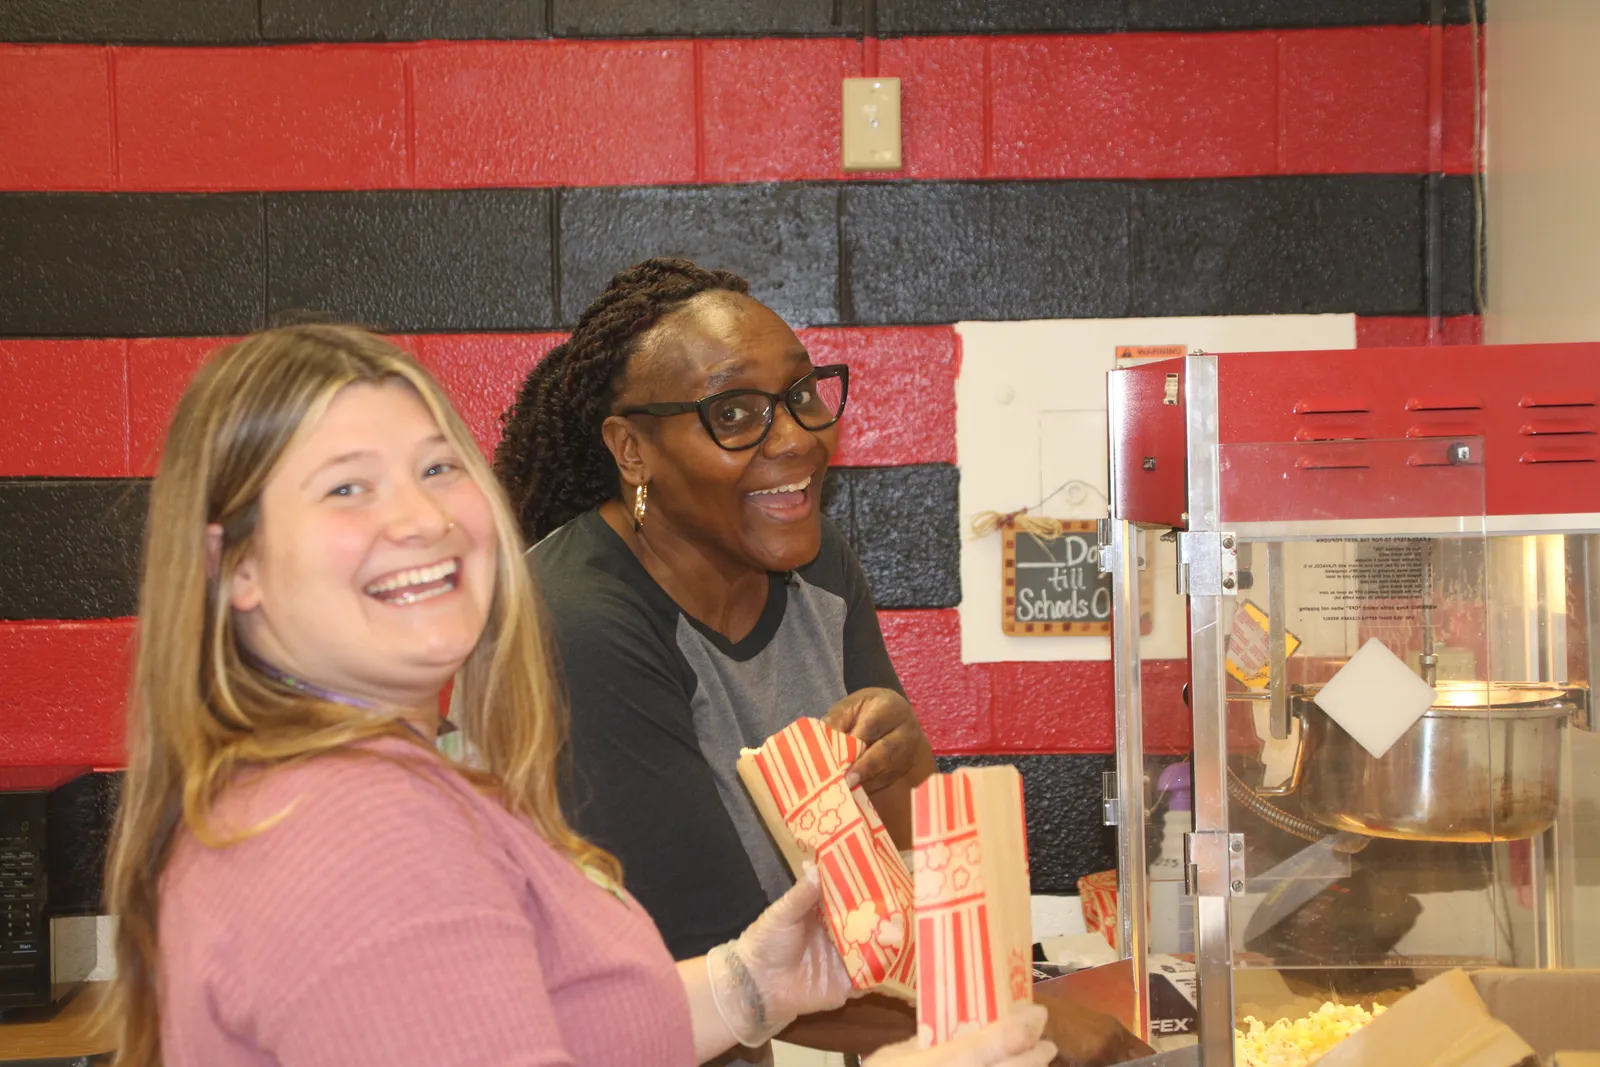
(1391, 565)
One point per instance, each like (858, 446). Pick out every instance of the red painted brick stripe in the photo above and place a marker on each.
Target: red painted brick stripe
(553, 113)
(66, 683)
(443, 114)
(55, 118)
(100, 408)
(1062, 706)
(275, 118)
(68, 408)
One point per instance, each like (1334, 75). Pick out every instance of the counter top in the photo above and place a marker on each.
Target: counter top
(61, 1033)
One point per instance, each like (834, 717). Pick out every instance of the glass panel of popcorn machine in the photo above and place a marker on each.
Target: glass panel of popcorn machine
(1376, 764)
(1576, 858)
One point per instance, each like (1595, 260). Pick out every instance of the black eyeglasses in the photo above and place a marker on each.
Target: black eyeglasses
(738, 419)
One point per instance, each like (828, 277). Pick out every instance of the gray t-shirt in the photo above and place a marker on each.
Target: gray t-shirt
(662, 704)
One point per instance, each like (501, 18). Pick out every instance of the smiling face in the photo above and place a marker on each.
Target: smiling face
(760, 507)
(371, 571)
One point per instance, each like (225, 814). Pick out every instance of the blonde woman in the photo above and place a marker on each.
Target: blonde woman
(301, 879)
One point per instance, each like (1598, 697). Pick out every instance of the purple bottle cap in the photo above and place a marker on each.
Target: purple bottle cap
(1175, 782)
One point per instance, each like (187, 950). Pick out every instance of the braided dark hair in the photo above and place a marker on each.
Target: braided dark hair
(551, 457)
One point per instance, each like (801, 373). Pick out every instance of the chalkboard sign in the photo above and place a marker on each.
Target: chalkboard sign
(1053, 585)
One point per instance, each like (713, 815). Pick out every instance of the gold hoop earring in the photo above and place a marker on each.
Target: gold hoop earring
(641, 496)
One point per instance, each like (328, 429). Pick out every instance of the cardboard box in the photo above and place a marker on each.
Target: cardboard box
(1174, 1002)
(1491, 1018)
(1554, 1011)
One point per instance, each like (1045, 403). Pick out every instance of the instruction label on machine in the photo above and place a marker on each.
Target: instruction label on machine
(1384, 579)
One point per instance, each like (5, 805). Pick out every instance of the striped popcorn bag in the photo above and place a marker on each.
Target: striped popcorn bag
(797, 782)
(973, 903)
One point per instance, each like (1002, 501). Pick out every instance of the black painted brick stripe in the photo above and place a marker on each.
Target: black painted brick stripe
(131, 21)
(400, 20)
(904, 525)
(947, 251)
(251, 21)
(923, 252)
(682, 18)
(1278, 245)
(782, 237)
(114, 265)
(1458, 212)
(69, 547)
(1067, 835)
(1098, 16)
(1066, 838)
(432, 262)
(86, 265)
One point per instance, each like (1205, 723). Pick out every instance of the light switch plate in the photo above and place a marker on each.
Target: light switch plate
(871, 125)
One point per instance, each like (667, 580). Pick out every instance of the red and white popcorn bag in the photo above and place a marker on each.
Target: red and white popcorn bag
(1098, 893)
(797, 782)
(973, 901)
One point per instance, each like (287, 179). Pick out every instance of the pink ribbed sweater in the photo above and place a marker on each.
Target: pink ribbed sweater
(397, 919)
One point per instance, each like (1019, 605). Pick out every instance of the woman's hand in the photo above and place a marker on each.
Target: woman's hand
(784, 966)
(896, 745)
(1012, 1042)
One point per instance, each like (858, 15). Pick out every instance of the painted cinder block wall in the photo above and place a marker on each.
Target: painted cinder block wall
(465, 176)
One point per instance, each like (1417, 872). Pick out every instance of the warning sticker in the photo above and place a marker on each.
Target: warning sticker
(1249, 656)
(1128, 352)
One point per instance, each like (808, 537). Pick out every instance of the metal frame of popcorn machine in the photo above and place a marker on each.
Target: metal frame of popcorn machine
(1391, 565)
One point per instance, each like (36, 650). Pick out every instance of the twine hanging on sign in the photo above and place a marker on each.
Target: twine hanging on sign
(985, 523)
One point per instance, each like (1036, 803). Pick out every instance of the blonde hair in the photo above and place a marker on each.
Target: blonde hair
(197, 713)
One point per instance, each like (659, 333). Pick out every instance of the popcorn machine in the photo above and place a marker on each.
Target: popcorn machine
(1391, 565)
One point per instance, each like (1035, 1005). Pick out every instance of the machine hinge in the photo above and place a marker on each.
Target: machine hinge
(1208, 564)
(1213, 863)
(1108, 796)
(1107, 554)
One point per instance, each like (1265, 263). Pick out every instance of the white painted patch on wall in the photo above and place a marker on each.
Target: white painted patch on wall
(1030, 416)
(1056, 916)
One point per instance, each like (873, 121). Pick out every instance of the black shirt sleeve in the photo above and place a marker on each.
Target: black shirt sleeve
(638, 785)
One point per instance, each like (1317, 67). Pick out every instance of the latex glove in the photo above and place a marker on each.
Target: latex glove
(884, 720)
(784, 966)
(1014, 1041)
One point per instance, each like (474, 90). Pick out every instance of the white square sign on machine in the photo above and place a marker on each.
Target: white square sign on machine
(1376, 698)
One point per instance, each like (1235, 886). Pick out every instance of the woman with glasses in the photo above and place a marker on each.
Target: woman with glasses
(667, 463)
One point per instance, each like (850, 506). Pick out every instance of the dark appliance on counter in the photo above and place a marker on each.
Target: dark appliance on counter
(47, 922)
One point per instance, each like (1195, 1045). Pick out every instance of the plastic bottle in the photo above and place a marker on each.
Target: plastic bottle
(1171, 910)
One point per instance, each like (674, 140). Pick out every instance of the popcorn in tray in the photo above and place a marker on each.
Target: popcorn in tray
(1299, 1042)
